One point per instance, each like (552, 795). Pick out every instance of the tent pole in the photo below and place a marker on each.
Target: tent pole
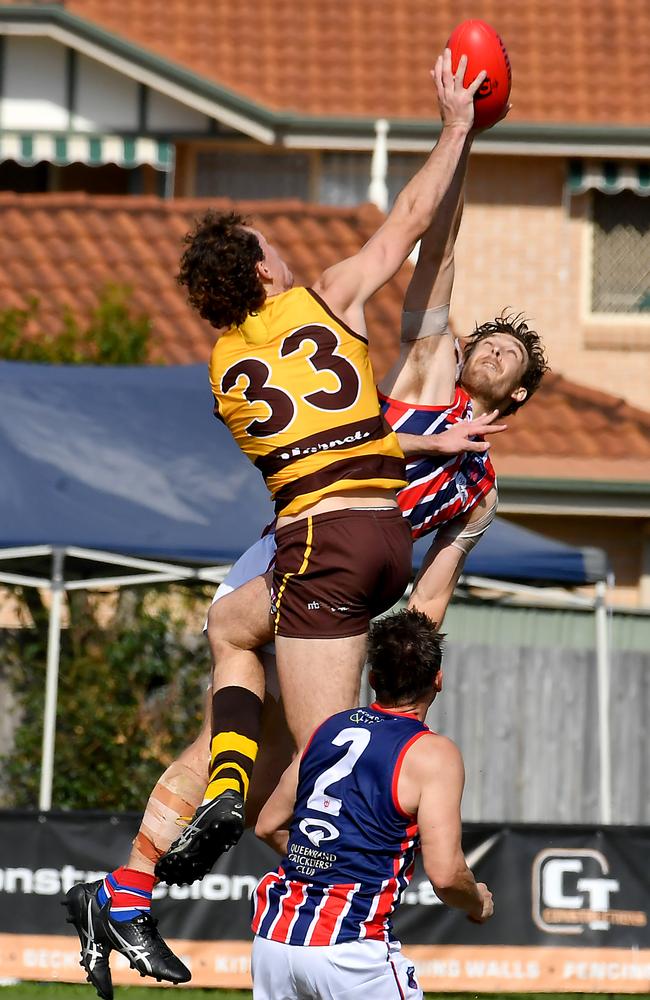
(51, 680)
(604, 735)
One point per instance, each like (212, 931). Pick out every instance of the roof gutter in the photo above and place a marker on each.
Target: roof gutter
(298, 131)
(574, 497)
(506, 139)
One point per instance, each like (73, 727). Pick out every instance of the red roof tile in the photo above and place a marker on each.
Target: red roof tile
(570, 431)
(578, 62)
(64, 248)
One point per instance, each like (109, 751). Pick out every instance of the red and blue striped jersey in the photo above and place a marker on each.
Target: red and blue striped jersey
(440, 487)
(351, 849)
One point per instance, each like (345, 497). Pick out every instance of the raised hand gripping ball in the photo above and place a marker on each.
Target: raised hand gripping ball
(484, 50)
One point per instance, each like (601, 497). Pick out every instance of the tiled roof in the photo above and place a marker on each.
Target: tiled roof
(578, 62)
(64, 248)
(571, 431)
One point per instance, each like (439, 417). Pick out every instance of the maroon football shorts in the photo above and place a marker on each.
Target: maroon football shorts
(335, 571)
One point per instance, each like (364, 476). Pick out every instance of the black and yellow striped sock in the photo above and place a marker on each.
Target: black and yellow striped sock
(236, 722)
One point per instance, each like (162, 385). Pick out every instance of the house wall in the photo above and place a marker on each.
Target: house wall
(525, 245)
(623, 539)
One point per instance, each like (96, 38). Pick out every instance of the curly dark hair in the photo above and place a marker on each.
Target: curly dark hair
(218, 267)
(515, 326)
(404, 653)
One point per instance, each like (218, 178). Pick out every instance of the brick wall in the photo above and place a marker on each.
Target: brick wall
(621, 538)
(521, 247)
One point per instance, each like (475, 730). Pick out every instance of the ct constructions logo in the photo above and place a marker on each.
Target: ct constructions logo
(573, 888)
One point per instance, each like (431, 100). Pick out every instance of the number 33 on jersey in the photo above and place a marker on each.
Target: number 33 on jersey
(295, 388)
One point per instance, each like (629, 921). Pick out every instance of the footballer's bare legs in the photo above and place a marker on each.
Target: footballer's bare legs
(177, 793)
(238, 625)
(318, 677)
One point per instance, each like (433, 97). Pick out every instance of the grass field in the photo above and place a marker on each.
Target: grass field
(58, 991)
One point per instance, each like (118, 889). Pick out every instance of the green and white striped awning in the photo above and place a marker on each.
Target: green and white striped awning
(609, 176)
(28, 148)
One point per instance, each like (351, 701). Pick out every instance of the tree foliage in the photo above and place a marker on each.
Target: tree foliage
(130, 683)
(130, 697)
(113, 334)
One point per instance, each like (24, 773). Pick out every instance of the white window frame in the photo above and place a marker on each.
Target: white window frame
(637, 321)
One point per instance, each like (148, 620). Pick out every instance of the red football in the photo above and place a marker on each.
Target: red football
(484, 50)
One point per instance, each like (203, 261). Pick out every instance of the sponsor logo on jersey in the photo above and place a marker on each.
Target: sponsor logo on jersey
(318, 830)
(293, 453)
(360, 716)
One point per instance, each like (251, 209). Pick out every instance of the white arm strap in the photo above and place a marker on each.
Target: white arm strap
(427, 323)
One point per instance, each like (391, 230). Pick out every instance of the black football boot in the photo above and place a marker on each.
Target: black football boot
(215, 827)
(143, 947)
(85, 913)
(137, 939)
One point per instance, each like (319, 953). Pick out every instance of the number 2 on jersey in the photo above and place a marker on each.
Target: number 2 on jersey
(319, 799)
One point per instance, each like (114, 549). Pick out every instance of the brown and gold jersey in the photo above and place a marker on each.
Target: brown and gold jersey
(295, 388)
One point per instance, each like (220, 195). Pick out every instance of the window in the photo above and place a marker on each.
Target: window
(344, 179)
(242, 175)
(401, 167)
(621, 253)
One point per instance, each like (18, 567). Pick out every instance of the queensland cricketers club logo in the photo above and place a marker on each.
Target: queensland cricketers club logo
(318, 831)
(573, 889)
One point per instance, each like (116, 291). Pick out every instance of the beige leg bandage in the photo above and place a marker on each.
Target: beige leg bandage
(464, 536)
(178, 793)
(428, 323)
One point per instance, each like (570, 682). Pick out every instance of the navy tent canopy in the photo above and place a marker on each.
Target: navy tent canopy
(111, 465)
(123, 459)
(131, 460)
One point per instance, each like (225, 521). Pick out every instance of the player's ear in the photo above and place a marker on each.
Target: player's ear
(437, 683)
(263, 271)
(519, 394)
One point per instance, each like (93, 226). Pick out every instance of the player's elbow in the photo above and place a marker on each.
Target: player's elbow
(263, 829)
(414, 214)
(446, 876)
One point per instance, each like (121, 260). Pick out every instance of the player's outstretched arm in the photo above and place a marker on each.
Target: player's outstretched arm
(433, 278)
(435, 583)
(439, 822)
(427, 354)
(274, 820)
(348, 285)
(443, 564)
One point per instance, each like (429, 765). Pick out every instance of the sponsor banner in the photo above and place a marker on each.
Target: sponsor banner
(494, 969)
(448, 968)
(54, 958)
(572, 907)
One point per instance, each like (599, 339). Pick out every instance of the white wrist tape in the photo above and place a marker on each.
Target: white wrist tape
(428, 323)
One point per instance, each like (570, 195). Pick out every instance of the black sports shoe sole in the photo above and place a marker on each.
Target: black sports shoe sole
(197, 858)
(76, 903)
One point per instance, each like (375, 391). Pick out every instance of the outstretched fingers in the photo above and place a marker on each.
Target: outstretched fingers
(476, 83)
(459, 75)
(436, 73)
(487, 419)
